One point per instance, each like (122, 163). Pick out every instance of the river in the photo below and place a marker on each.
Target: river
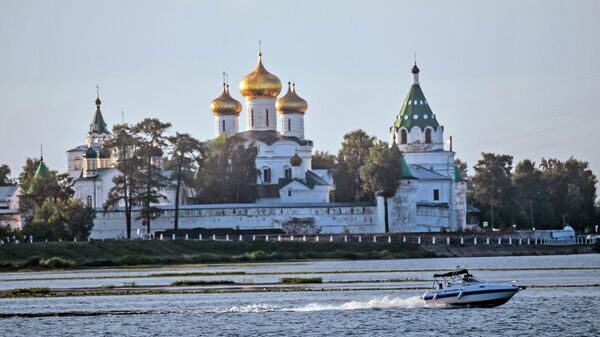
(362, 298)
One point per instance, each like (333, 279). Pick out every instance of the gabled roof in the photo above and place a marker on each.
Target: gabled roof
(421, 172)
(268, 137)
(80, 148)
(7, 192)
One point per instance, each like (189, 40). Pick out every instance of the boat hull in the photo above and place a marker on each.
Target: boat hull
(486, 298)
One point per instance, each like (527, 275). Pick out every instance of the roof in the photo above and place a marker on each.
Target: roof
(7, 192)
(99, 173)
(311, 180)
(415, 111)
(452, 273)
(98, 124)
(457, 175)
(406, 172)
(421, 172)
(268, 137)
(42, 169)
(80, 148)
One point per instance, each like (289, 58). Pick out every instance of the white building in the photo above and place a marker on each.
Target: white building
(9, 207)
(276, 127)
(432, 195)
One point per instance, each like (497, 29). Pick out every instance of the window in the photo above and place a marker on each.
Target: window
(289, 193)
(428, 136)
(223, 125)
(287, 172)
(89, 201)
(436, 195)
(77, 164)
(289, 124)
(252, 117)
(403, 136)
(267, 175)
(267, 111)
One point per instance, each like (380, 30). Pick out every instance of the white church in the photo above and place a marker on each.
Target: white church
(291, 195)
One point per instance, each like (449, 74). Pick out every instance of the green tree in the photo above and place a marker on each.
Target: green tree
(185, 154)
(382, 172)
(5, 179)
(571, 191)
(352, 156)
(59, 219)
(462, 168)
(534, 208)
(151, 138)
(228, 172)
(493, 188)
(323, 160)
(38, 183)
(125, 187)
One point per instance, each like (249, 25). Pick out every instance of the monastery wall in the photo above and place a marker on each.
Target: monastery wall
(295, 218)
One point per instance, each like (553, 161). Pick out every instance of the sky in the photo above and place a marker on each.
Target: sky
(513, 77)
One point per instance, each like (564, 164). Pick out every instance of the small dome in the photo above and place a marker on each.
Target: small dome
(90, 153)
(296, 160)
(415, 69)
(225, 104)
(260, 83)
(291, 102)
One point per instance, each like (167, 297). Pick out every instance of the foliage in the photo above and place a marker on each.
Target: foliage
(37, 189)
(185, 154)
(550, 195)
(352, 155)
(5, 179)
(300, 280)
(228, 173)
(58, 219)
(323, 160)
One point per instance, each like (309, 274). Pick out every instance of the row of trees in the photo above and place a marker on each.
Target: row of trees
(219, 171)
(549, 195)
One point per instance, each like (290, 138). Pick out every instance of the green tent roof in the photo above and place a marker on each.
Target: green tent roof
(98, 125)
(406, 173)
(457, 175)
(416, 111)
(42, 169)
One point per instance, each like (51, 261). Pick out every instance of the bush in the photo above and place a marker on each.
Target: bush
(57, 262)
(299, 280)
(200, 282)
(38, 291)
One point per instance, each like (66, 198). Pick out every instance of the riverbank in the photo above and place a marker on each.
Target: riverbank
(66, 255)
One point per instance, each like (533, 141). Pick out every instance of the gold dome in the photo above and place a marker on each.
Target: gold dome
(260, 83)
(296, 160)
(291, 102)
(225, 104)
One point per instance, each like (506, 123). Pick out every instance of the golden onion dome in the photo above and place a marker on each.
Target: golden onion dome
(291, 102)
(225, 104)
(260, 83)
(296, 160)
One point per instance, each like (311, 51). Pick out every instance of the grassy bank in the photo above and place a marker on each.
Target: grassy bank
(64, 255)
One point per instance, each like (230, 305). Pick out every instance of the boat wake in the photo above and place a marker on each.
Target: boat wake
(375, 303)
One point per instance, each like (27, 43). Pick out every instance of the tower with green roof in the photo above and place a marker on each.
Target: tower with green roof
(98, 132)
(416, 128)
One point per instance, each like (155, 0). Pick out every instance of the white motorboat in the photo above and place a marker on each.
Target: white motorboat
(459, 288)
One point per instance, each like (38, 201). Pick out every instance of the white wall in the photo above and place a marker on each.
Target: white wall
(296, 124)
(327, 218)
(260, 107)
(231, 124)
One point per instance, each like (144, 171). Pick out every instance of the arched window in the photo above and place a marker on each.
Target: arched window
(77, 164)
(89, 201)
(289, 124)
(266, 175)
(267, 111)
(287, 172)
(252, 117)
(427, 136)
(223, 125)
(403, 136)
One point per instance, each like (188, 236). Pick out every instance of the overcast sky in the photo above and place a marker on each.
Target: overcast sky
(514, 77)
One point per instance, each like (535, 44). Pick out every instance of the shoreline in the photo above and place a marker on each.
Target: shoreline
(46, 256)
